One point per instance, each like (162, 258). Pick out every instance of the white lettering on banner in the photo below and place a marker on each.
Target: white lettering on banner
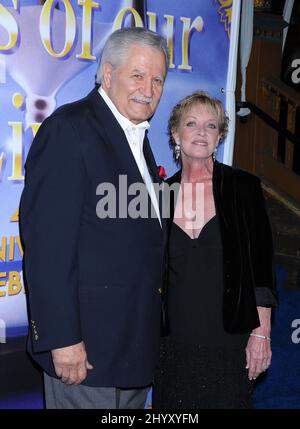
(2, 332)
(296, 333)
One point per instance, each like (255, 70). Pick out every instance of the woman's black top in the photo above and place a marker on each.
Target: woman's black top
(195, 287)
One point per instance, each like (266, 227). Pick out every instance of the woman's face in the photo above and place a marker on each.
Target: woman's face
(198, 133)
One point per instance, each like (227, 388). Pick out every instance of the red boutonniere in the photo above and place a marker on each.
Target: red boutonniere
(161, 172)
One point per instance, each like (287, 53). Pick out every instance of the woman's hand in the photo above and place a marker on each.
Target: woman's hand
(258, 350)
(258, 355)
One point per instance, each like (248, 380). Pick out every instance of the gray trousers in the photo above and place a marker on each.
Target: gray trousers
(59, 395)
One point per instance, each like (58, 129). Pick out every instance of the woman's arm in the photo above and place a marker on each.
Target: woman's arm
(258, 350)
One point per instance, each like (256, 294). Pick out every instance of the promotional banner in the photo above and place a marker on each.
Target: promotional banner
(49, 51)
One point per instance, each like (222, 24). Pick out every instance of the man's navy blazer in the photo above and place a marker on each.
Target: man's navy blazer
(91, 279)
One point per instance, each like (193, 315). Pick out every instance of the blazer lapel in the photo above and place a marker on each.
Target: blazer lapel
(151, 163)
(112, 133)
(115, 138)
(152, 167)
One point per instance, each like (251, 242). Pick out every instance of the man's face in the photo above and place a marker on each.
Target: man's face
(136, 85)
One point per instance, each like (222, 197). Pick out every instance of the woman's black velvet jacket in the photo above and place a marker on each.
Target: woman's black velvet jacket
(247, 246)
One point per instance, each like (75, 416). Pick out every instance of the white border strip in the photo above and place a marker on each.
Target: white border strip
(231, 81)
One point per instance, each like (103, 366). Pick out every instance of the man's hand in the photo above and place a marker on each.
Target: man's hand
(71, 363)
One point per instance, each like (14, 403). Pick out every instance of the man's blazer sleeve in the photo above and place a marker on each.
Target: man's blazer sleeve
(50, 212)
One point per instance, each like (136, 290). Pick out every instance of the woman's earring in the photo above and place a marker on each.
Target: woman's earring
(177, 151)
(214, 155)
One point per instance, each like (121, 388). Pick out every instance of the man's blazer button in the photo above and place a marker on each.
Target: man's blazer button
(160, 290)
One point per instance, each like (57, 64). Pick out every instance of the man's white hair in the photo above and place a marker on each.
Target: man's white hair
(117, 45)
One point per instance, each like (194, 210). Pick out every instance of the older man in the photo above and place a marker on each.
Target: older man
(94, 281)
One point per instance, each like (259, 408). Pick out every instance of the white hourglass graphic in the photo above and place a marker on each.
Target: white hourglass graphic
(35, 70)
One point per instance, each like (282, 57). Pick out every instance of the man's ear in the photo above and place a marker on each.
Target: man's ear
(107, 75)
